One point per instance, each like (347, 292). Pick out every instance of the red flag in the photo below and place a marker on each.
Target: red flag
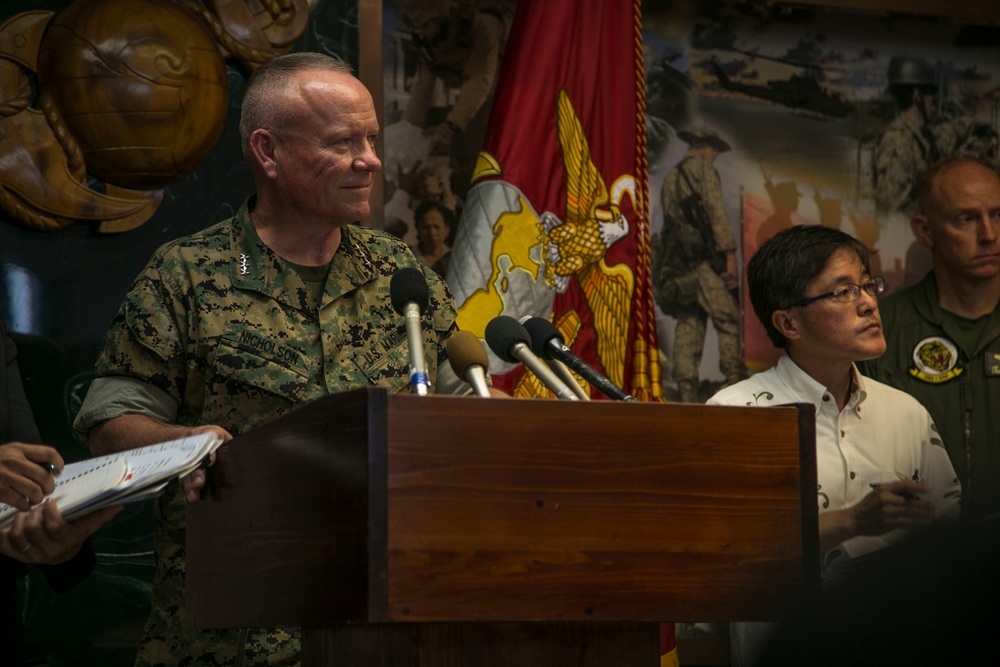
(556, 221)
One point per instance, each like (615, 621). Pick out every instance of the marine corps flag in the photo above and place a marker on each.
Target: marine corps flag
(556, 224)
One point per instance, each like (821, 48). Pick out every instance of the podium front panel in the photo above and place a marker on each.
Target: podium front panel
(542, 510)
(365, 507)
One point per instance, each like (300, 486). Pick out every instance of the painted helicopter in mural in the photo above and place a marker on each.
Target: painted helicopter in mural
(800, 91)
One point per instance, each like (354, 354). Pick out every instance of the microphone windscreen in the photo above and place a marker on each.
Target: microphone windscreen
(541, 332)
(408, 284)
(465, 350)
(502, 333)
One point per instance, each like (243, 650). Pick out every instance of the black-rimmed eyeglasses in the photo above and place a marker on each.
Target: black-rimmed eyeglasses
(845, 293)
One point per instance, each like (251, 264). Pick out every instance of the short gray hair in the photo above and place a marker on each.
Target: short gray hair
(261, 107)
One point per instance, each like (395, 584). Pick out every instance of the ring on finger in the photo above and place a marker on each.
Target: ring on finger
(25, 547)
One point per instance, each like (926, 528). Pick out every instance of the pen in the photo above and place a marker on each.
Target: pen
(905, 494)
(915, 478)
(51, 468)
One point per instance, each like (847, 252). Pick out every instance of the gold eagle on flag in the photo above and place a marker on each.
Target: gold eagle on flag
(577, 246)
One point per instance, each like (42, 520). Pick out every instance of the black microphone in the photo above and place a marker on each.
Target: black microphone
(509, 341)
(468, 359)
(560, 369)
(409, 295)
(548, 343)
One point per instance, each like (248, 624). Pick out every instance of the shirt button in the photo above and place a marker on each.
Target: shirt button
(843, 434)
(853, 475)
(826, 397)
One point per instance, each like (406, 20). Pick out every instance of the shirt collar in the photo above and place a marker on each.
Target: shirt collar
(257, 267)
(926, 299)
(254, 264)
(859, 393)
(804, 386)
(352, 264)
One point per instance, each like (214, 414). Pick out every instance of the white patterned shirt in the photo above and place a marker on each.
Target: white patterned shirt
(882, 435)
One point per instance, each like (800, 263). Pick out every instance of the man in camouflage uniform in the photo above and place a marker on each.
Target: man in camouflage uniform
(914, 139)
(283, 303)
(698, 271)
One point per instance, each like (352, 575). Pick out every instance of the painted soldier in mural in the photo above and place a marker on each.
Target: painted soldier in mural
(915, 138)
(460, 43)
(452, 52)
(697, 275)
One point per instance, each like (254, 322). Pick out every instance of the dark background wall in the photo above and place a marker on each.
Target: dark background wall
(59, 291)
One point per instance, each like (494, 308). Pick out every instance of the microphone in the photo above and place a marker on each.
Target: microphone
(548, 343)
(509, 341)
(468, 359)
(567, 377)
(563, 372)
(410, 296)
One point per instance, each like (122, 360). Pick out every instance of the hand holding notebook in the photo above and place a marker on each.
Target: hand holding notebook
(124, 477)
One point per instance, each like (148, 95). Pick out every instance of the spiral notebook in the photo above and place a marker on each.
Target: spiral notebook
(129, 476)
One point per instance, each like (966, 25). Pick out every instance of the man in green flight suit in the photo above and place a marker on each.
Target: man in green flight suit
(943, 333)
(281, 304)
(697, 272)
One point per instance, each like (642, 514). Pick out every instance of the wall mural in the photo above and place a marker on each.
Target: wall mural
(817, 117)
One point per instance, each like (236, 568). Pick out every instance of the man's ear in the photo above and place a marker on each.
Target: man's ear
(262, 151)
(922, 229)
(786, 324)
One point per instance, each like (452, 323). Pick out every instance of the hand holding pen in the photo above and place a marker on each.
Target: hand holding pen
(904, 491)
(901, 504)
(27, 473)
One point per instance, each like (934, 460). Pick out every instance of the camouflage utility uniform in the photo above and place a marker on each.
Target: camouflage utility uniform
(904, 151)
(217, 329)
(710, 298)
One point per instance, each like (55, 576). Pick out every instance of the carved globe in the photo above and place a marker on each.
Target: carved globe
(140, 84)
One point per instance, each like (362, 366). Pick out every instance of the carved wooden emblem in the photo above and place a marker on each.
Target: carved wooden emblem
(128, 97)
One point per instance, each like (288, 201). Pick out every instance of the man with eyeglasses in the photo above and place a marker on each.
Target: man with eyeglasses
(943, 334)
(879, 460)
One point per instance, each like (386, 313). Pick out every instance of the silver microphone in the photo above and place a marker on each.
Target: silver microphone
(410, 297)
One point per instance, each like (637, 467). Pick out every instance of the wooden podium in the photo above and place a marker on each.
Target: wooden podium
(408, 530)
